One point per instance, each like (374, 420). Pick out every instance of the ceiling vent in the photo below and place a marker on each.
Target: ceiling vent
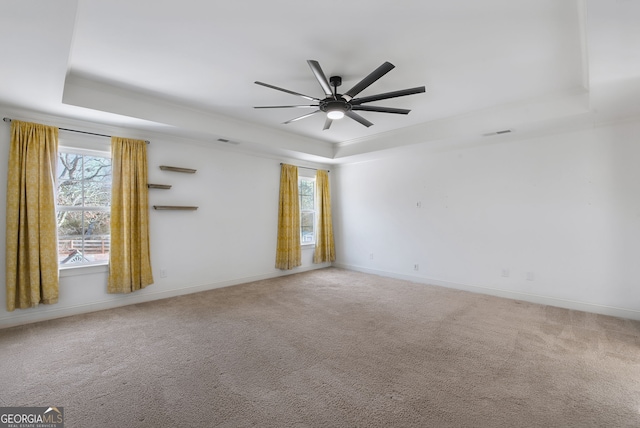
(504, 131)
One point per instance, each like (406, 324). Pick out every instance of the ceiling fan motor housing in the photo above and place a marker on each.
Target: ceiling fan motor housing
(339, 104)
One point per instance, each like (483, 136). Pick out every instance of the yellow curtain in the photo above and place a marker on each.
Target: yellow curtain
(129, 259)
(31, 241)
(325, 249)
(288, 251)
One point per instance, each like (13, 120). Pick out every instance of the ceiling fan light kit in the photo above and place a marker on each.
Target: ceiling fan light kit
(335, 114)
(336, 105)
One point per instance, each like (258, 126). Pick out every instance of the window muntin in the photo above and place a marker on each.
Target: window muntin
(83, 207)
(307, 193)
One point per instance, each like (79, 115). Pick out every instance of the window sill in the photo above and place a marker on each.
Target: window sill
(308, 246)
(83, 270)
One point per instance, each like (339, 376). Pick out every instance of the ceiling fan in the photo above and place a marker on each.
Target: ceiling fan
(336, 105)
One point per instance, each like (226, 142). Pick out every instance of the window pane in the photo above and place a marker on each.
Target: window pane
(306, 190)
(83, 180)
(97, 194)
(307, 222)
(307, 202)
(69, 167)
(306, 187)
(97, 223)
(69, 193)
(69, 179)
(70, 225)
(97, 181)
(83, 236)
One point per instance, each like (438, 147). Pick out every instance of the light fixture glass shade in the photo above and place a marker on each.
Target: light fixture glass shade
(335, 114)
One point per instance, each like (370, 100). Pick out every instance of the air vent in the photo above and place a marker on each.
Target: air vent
(504, 131)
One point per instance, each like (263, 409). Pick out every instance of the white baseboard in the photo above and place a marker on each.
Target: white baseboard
(26, 316)
(516, 295)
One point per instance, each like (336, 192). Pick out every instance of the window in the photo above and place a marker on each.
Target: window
(83, 206)
(307, 192)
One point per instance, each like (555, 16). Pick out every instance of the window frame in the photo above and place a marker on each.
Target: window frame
(312, 178)
(75, 149)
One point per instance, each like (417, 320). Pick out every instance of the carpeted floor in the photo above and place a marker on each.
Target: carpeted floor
(328, 348)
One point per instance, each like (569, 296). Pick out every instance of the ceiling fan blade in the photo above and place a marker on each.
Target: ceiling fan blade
(311, 106)
(358, 118)
(388, 95)
(381, 109)
(375, 75)
(287, 91)
(301, 117)
(322, 79)
(327, 124)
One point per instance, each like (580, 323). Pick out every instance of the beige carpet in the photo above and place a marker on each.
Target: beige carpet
(329, 348)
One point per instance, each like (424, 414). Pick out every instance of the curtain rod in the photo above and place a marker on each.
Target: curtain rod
(306, 167)
(8, 120)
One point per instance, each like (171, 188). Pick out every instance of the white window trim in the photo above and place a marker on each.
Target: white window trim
(88, 269)
(83, 151)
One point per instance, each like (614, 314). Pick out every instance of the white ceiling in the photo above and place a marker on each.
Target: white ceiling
(188, 68)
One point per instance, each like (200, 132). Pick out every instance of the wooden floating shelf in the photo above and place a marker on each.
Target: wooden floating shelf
(177, 169)
(159, 186)
(174, 207)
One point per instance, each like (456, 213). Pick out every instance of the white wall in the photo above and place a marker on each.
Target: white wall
(230, 239)
(560, 213)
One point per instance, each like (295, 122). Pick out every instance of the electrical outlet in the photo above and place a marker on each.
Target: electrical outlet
(419, 204)
(416, 267)
(505, 273)
(163, 273)
(371, 256)
(530, 276)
